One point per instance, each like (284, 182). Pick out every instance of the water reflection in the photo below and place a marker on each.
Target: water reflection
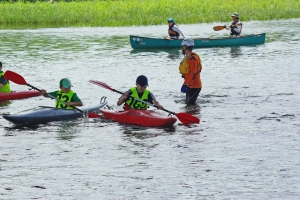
(15, 130)
(140, 132)
(4, 103)
(193, 109)
(172, 54)
(67, 130)
(141, 136)
(236, 51)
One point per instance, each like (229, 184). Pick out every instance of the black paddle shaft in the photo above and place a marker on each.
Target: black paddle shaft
(34, 87)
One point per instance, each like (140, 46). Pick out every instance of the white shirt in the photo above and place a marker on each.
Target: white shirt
(238, 27)
(177, 29)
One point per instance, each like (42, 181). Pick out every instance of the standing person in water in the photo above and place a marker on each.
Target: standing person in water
(174, 31)
(190, 68)
(235, 27)
(138, 92)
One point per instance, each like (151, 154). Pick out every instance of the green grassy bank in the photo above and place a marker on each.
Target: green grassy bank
(143, 12)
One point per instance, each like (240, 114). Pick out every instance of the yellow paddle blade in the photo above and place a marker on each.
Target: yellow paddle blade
(218, 28)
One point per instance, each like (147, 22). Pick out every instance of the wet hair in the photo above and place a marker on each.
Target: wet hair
(0, 64)
(190, 48)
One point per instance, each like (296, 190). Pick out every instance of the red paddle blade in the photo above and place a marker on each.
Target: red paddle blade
(187, 119)
(101, 84)
(14, 77)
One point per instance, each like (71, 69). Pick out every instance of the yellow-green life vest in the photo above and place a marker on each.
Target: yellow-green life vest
(184, 67)
(133, 104)
(6, 87)
(65, 97)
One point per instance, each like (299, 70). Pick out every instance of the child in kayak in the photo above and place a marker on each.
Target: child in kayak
(65, 94)
(4, 83)
(138, 92)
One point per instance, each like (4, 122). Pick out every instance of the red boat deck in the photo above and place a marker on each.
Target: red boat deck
(149, 118)
(18, 95)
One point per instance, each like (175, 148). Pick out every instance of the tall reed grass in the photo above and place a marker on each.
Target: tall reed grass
(143, 12)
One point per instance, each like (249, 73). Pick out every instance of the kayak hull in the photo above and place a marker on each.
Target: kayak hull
(18, 95)
(45, 115)
(139, 42)
(149, 118)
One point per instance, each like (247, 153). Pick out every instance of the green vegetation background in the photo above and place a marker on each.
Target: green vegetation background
(142, 12)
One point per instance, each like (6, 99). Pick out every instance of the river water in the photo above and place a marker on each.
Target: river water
(246, 146)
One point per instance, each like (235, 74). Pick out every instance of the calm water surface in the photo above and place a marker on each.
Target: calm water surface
(246, 146)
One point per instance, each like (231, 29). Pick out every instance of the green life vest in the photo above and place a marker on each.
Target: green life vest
(65, 97)
(133, 104)
(6, 86)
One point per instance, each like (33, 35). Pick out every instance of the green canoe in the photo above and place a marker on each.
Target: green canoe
(138, 42)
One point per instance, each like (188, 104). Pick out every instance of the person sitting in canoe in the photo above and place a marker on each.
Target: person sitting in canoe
(4, 83)
(138, 92)
(190, 68)
(235, 27)
(174, 31)
(68, 98)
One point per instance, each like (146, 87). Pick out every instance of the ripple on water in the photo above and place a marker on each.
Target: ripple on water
(246, 146)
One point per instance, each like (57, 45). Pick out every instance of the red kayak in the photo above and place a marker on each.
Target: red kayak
(148, 118)
(18, 95)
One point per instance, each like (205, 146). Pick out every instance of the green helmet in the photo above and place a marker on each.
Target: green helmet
(66, 83)
(171, 20)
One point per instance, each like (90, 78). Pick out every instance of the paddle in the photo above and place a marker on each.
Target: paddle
(183, 117)
(18, 79)
(218, 28)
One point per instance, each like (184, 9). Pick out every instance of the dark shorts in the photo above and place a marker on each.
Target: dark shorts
(192, 95)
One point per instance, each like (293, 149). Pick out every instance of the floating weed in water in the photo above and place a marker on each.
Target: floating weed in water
(36, 186)
(287, 115)
(277, 118)
(128, 132)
